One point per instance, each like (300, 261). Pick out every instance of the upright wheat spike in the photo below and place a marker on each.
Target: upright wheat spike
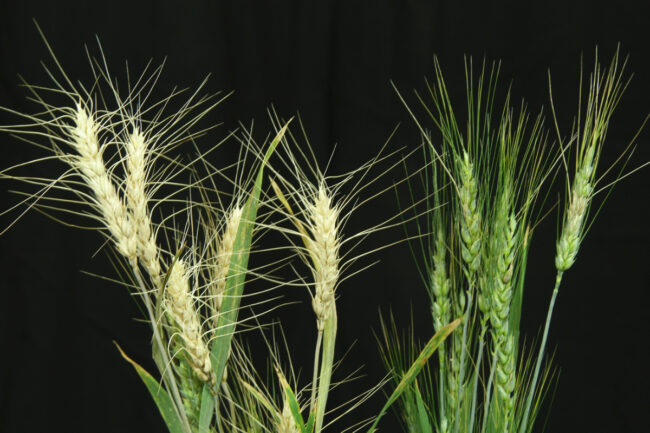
(181, 308)
(470, 222)
(569, 242)
(323, 247)
(503, 268)
(136, 163)
(224, 254)
(84, 135)
(440, 308)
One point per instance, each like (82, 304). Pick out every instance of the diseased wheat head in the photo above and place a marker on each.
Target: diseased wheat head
(181, 307)
(225, 245)
(323, 247)
(137, 161)
(84, 139)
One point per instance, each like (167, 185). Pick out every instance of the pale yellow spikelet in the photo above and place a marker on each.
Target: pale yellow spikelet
(180, 306)
(136, 161)
(90, 164)
(286, 423)
(323, 248)
(224, 253)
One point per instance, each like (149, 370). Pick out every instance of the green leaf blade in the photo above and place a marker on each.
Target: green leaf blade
(207, 409)
(159, 395)
(237, 272)
(415, 368)
(423, 414)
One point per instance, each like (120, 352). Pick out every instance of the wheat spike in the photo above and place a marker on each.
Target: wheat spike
(180, 306)
(470, 223)
(286, 422)
(440, 308)
(224, 254)
(90, 164)
(136, 163)
(323, 247)
(569, 242)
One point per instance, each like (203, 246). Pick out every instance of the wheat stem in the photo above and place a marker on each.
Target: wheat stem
(540, 355)
(314, 382)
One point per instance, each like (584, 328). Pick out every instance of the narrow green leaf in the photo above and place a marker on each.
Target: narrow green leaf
(310, 422)
(262, 400)
(293, 402)
(423, 414)
(237, 272)
(207, 409)
(159, 394)
(415, 368)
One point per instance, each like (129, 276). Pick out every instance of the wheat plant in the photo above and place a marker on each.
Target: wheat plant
(133, 168)
(486, 185)
(181, 244)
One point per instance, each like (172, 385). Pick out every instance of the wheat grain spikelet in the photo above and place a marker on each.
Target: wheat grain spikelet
(441, 306)
(323, 247)
(286, 423)
(90, 164)
(180, 306)
(503, 268)
(504, 377)
(569, 242)
(136, 162)
(470, 223)
(224, 254)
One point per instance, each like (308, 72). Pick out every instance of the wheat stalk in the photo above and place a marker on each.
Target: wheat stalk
(605, 90)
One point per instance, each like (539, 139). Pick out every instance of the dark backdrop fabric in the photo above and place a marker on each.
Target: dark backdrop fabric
(332, 61)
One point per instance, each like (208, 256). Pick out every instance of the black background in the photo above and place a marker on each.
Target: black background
(332, 61)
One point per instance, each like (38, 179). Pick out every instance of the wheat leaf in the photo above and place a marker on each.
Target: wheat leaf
(159, 394)
(423, 417)
(236, 274)
(415, 368)
(207, 409)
